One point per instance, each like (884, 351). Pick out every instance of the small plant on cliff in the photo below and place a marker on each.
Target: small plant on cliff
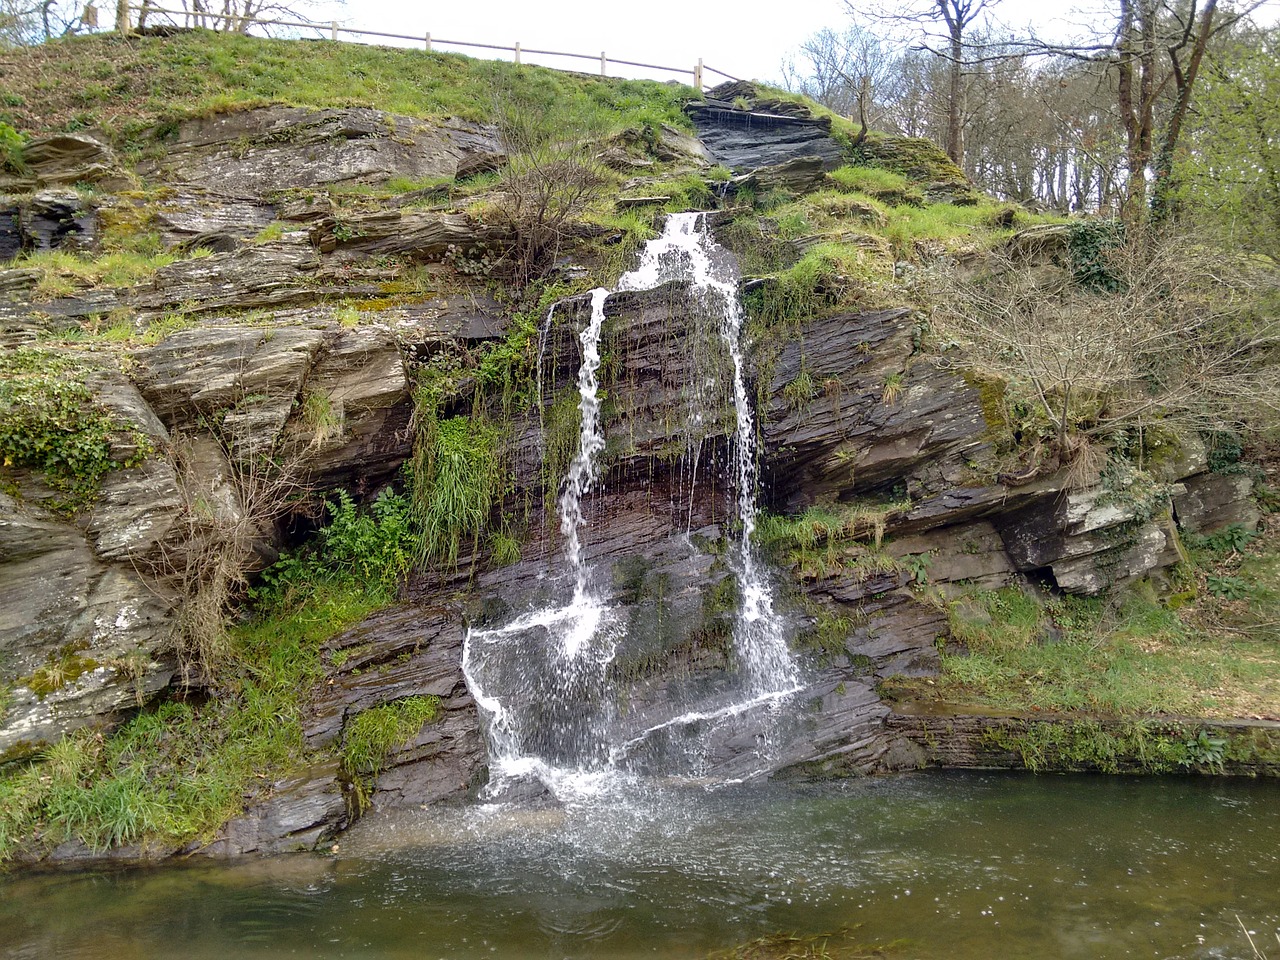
(455, 482)
(50, 421)
(372, 548)
(552, 175)
(374, 733)
(11, 144)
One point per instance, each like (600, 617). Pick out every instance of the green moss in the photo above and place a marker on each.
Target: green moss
(915, 158)
(59, 672)
(1087, 744)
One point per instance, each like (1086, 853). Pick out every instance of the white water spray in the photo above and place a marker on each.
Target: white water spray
(567, 750)
(582, 471)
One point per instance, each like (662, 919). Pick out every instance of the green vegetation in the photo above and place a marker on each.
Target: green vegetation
(824, 541)
(128, 85)
(62, 274)
(11, 144)
(1209, 649)
(374, 733)
(175, 774)
(368, 549)
(456, 481)
(51, 422)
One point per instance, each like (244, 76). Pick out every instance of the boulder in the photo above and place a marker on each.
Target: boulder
(1093, 539)
(80, 639)
(57, 220)
(353, 430)
(1208, 502)
(63, 159)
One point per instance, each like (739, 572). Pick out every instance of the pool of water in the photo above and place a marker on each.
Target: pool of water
(936, 865)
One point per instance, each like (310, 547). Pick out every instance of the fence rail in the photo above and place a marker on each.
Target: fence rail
(197, 18)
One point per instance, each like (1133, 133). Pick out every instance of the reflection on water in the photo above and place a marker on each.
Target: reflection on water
(956, 865)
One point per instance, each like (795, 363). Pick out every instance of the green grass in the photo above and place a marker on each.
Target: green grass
(62, 274)
(456, 482)
(846, 538)
(175, 774)
(374, 733)
(869, 180)
(1133, 656)
(151, 80)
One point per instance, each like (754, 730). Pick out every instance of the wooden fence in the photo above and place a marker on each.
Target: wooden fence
(334, 31)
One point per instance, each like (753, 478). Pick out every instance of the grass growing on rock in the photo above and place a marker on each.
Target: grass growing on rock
(173, 775)
(1204, 650)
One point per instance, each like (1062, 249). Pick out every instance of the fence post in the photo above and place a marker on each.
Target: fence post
(333, 25)
(428, 41)
(697, 76)
(517, 51)
(602, 64)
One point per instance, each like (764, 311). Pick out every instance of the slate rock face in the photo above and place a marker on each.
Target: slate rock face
(402, 652)
(63, 159)
(253, 153)
(744, 133)
(48, 220)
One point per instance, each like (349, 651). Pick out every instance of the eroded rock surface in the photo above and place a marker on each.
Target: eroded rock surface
(262, 151)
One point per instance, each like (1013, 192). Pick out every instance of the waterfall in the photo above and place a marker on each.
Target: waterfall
(555, 720)
(582, 470)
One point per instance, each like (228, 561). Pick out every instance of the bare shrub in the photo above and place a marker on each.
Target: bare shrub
(552, 175)
(1187, 339)
(229, 507)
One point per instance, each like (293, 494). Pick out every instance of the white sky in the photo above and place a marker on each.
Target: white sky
(674, 33)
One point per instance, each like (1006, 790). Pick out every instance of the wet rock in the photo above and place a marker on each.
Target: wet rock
(10, 233)
(297, 813)
(744, 132)
(871, 422)
(397, 653)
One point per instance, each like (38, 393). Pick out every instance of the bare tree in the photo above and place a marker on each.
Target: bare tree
(845, 72)
(949, 27)
(226, 16)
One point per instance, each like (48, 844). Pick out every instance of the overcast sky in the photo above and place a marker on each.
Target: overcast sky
(669, 32)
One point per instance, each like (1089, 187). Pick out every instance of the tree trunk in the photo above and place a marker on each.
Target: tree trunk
(955, 96)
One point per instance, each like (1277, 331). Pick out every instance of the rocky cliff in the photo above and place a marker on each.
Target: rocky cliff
(279, 342)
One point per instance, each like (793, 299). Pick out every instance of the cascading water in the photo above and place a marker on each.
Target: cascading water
(554, 719)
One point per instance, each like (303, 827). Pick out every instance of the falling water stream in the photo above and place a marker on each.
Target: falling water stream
(572, 742)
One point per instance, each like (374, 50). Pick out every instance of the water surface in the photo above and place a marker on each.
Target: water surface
(945, 865)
